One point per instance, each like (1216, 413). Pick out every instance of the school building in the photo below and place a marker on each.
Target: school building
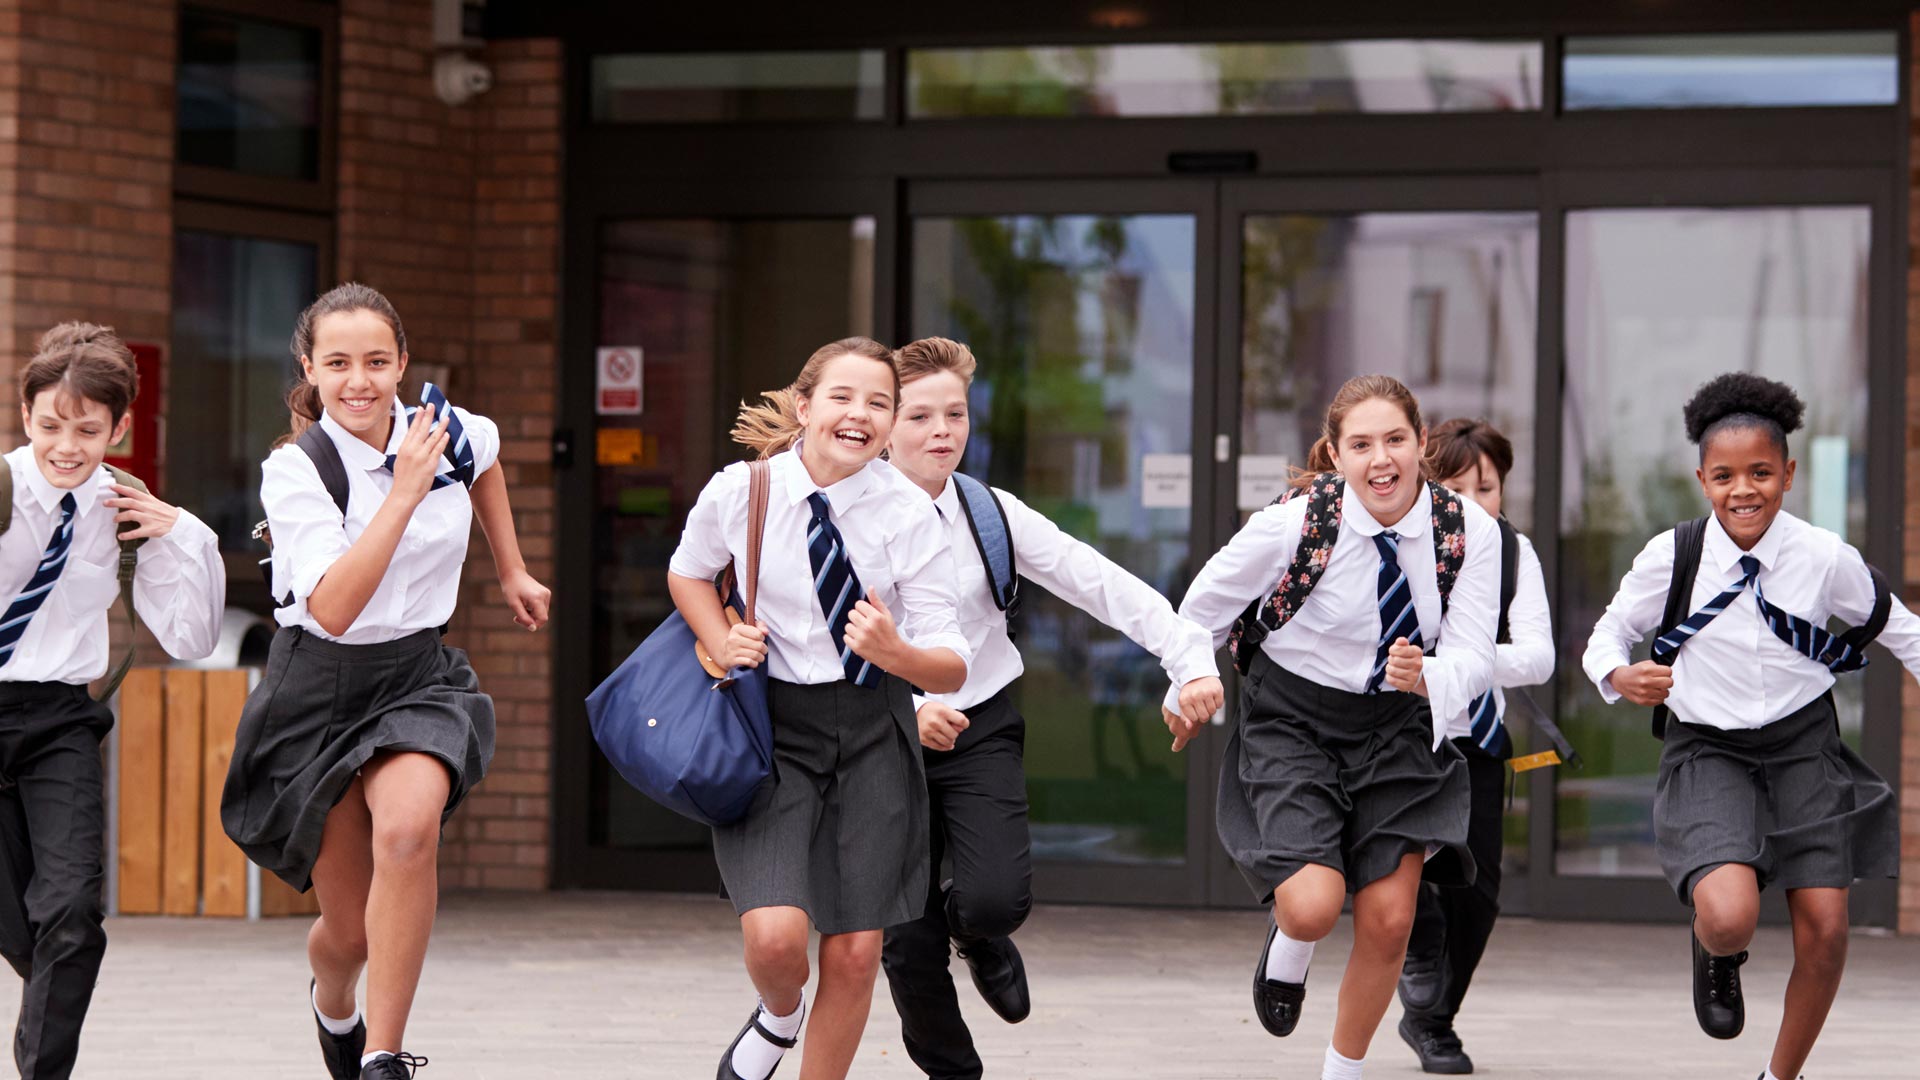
(1168, 228)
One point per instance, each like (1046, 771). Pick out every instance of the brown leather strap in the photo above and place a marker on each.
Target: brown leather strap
(759, 488)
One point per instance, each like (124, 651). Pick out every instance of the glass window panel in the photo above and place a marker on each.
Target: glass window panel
(1658, 302)
(720, 311)
(653, 88)
(1226, 79)
(235, 299)
(1732, 70)
(1442, 301)
(249, 95)
(1083, 329)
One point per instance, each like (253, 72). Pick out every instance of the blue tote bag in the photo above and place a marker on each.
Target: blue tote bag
(693, 738)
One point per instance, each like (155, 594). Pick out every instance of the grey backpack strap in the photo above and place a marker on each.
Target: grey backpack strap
(991, 534)
(129, 562)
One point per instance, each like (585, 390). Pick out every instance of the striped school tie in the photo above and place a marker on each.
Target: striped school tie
(1488, 730)
(19, 613)
(459, 450)
(838, 588)
(1397, 617)
(1669, 643)
(1809, 640)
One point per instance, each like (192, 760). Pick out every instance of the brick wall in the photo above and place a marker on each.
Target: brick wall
(86, 173)
(453, 212)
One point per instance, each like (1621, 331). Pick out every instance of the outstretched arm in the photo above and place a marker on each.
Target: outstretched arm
(528, 598)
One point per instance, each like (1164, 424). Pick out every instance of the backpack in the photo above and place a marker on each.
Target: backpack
(987, 520)
(129, 560)
(1689, 540)
(1317, 535)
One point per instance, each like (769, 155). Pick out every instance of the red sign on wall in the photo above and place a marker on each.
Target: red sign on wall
(139, 451)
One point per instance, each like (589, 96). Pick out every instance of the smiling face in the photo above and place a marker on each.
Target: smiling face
(1745, 475)
(70, 435)
(848, 417)
(1378, 453)
(1480, 483)
(930, 436)
(356, 365)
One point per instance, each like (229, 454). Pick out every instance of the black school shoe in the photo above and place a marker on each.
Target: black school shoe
(340, 1052)
(1438, 1047)
(1717, 1003)
(1276, 1003)
(399, 1066)
(1421, 980)
(1000, 976)
(753, 1024)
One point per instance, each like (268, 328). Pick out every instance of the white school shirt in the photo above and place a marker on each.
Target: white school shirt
(1072, 571)
(1735, 673)
(1528, 659)
(179, 588)
(423, 580)
(893, 537)
(1333, 639)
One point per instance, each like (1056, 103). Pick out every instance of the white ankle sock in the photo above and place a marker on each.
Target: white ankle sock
(1768, 1075)
(1288, 959)
(754, 1058)
(1338, 1067)
(338, 1027)
(368, 1057)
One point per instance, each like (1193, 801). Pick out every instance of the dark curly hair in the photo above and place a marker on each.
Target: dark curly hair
(1737, 401)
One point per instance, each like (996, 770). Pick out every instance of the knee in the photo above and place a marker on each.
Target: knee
(72, 923)
(1821, 944)
(1307, 921)
(339, 935)
(994, 912)
(850, 958)
(406, 839)
(774, 950)
(1724, 929)
(1389, 921)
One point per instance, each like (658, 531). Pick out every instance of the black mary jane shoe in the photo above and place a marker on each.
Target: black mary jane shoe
(1276, 1003)
(1437, 1046)
(399, 1066)
(340, 1052)
(1000, 976)
(753, 1024)
(1717, 1001)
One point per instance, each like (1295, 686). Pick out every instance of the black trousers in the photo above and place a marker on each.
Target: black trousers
(52, 843)
(977, 794)
(1451, 926)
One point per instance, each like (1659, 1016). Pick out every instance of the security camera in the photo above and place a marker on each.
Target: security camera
(459, 79)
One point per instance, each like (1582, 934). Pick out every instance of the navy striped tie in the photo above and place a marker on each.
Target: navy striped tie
(1809, 640)
(459, 451)
(838, 588)
(1488, 730)
(1669, 643)
(1397, 617)
(19, 613)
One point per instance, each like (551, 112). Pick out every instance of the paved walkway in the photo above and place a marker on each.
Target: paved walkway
(601, 985)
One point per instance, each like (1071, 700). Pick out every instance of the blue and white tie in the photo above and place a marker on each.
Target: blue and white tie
(459, 451)
(1397, 616)
(19, 613)
(1488, 730)
(1669, 643)
(1809, 640)
(838, 588)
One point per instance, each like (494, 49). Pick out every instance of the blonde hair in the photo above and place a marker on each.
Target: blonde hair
(1354, 392)
(930, 356)
(774, 426)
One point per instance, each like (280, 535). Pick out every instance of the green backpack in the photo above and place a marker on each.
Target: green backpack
(129, 558)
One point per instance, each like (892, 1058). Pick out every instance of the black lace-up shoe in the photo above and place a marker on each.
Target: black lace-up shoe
(392, 1067)
(1421, 980)
(1276, 1003)
(340, 1052)
(1438, 1047)
(1717, 1003)
(753, 1024)
(1000, 976)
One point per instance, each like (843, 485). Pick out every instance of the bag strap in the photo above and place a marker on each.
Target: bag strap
(129, 563)
(1859, 637)
(320, 449)
(1319, 529)
(1689, 539)
(759, 489)
(1449, 545)
(993, 535)
(1509, 577)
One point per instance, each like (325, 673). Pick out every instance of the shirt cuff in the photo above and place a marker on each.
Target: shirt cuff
(1600, 671)
(919, 700)
(1172, 701)
(1184, 666)
(189, 535)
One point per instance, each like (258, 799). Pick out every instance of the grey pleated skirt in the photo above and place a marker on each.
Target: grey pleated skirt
(1789, 799)
(1349, 781)
(840, 828)
(321, 712)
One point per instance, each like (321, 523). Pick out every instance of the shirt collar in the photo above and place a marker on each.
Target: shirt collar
(1417, 521)
(948, 501)
(355, 452)
(1720, 550)
(27, 471)
(799, 483)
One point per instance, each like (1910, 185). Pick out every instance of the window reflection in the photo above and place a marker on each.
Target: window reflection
(1732, 70)
(249, 96)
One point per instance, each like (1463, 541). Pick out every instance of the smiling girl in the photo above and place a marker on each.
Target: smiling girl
(837, 837)
(366, 731)
(1756, 787)
(1377, 594)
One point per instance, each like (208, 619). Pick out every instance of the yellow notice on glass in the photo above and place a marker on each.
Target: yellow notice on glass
(1541, 760)
(619, 446)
